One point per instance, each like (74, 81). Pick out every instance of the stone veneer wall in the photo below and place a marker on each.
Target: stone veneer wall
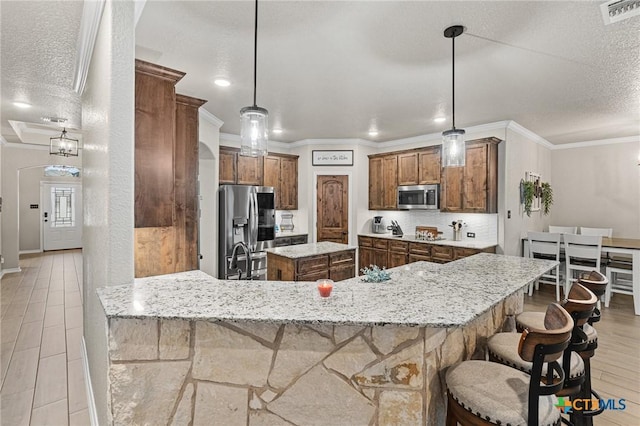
(177, 372)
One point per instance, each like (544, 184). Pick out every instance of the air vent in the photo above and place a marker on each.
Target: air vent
(619, 10)
(56, 120)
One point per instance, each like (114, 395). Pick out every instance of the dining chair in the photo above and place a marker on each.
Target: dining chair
(618, 284)
(582, 254)
(563, 229)
(545, 245)
(603, 232)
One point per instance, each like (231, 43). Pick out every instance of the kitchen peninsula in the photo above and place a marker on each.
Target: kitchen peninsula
(191, 348)
(310, 262)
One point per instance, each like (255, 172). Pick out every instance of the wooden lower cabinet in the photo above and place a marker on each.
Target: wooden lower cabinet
(389, 253)
(337, 266)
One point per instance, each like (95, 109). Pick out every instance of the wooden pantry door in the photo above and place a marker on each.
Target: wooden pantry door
(333, 208)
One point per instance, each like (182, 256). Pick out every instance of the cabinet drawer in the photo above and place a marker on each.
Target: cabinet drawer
(420, 249)
(365, 241)
(442, 253)
(300, 239)
(418, 258)
(312, 264)
(313, 276)
(342, 258)
(398, 246)
(380, 243)
(460, 252)
(342, 272)
(282, 242)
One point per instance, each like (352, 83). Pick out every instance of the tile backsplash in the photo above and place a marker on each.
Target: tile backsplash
(485, 226)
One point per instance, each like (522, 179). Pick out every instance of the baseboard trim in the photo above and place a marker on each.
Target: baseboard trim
(91, 402)
(29, 251)
(9, 271)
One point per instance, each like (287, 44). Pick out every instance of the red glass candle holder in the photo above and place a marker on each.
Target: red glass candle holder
(324, 287)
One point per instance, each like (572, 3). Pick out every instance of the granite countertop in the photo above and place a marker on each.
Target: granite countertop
(467, 243)
(418, 294)
(312, 249)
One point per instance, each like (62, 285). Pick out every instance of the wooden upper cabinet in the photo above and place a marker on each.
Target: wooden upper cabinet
(390, 181)
(474, 187)
(227, 166)
(249, 170)
(288, 183)
(271, 176)
(408, 169)
(429, 166)
(375, 184)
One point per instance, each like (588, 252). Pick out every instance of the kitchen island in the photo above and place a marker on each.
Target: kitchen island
(190, 348)
(310, 262)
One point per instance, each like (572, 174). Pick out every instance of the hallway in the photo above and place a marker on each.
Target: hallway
(42, 373)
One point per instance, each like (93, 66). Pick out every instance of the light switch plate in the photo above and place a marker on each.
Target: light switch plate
(471, 234)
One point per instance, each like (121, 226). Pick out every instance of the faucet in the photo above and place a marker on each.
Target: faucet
(247, 260)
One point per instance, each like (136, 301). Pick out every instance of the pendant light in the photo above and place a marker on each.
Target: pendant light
(63, 145)
(254, 123)
(453, 147)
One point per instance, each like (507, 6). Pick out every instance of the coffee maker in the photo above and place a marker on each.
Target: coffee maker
(377, 227)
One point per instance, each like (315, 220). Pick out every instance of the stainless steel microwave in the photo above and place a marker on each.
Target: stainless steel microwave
(425, 197)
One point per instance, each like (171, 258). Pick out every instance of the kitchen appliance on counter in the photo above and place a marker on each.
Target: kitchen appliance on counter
(423, 197)
(377, 227)
(457, 229)
(247, 220)
(395, 229)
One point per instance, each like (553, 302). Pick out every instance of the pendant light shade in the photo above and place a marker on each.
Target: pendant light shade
(63, 145)
(254, 121)
(453, 147)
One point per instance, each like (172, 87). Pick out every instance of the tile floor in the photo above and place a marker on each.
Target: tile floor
(41, 331)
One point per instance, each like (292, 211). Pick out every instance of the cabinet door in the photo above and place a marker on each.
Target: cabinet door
(271, 175)
(376, 187)
(475, 178)
(227, 167)
(396, 259)
(365, 257)
(390, 181)
(380, 258)
(342, 272)
(288, 183)
(441, 254)
(429, 166)
(408, 169)
(451, 189)
(461, 252)
(249, 170)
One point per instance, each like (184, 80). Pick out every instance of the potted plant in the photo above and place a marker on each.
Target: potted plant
(527, 192)
(547, 197)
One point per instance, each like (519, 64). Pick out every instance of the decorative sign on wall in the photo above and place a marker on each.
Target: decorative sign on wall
(333, 158)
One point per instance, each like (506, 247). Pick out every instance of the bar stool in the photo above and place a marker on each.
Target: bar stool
(488, 393)
(502, 347)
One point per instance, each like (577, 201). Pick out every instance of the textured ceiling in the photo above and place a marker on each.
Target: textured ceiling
(336, 69)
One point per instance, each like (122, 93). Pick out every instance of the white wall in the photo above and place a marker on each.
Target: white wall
(17, 157)
(108, 128)
(2, 207)
(598, 186)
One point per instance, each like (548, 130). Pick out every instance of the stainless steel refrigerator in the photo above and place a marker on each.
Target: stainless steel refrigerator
(247, 220)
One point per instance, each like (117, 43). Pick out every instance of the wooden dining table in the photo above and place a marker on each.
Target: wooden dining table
(628, 246)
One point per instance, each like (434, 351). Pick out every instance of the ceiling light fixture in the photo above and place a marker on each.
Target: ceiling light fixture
(277, 131)
(453, 147)
(221, 82)
(22, 105)
(55, 120)
(439, 120)
(373, 133)
(254, 133)
(63, 146)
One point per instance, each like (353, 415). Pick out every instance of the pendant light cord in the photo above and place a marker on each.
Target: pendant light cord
(255, 55)
(453, 82)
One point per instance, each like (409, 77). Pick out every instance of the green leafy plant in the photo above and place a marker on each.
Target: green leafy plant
(547, 197)
(527, 192)
(374, 274)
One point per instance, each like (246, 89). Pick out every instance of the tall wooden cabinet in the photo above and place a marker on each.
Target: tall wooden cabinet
(383, 182)
(474, 187)
(166, 171)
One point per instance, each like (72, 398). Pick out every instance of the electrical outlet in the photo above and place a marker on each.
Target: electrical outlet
(471, 234)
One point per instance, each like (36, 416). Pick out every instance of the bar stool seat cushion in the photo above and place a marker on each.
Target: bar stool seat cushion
(592, 334)
(504, 347)
(497, 393)
(530, 320)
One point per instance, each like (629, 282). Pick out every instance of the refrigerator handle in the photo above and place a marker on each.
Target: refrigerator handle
(254, 222)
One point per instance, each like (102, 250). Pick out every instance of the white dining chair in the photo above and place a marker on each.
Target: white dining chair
(582, 254)
(545, 245)
(603, 232)
(563, 229)
(620, 280)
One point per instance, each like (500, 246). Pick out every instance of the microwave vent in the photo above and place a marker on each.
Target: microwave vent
(619, 10)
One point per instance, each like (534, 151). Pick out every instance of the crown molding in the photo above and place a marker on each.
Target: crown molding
(20, 145)
(89, 25)
(349, 141)
(515, 127)
(3, 141)
(599, 142)
(210, 118)
(236, 138)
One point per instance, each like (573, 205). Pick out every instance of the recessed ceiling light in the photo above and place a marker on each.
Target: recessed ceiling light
(373, 133)
(277, 131)
(22, 105)
(439, 119)
(222, 82)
